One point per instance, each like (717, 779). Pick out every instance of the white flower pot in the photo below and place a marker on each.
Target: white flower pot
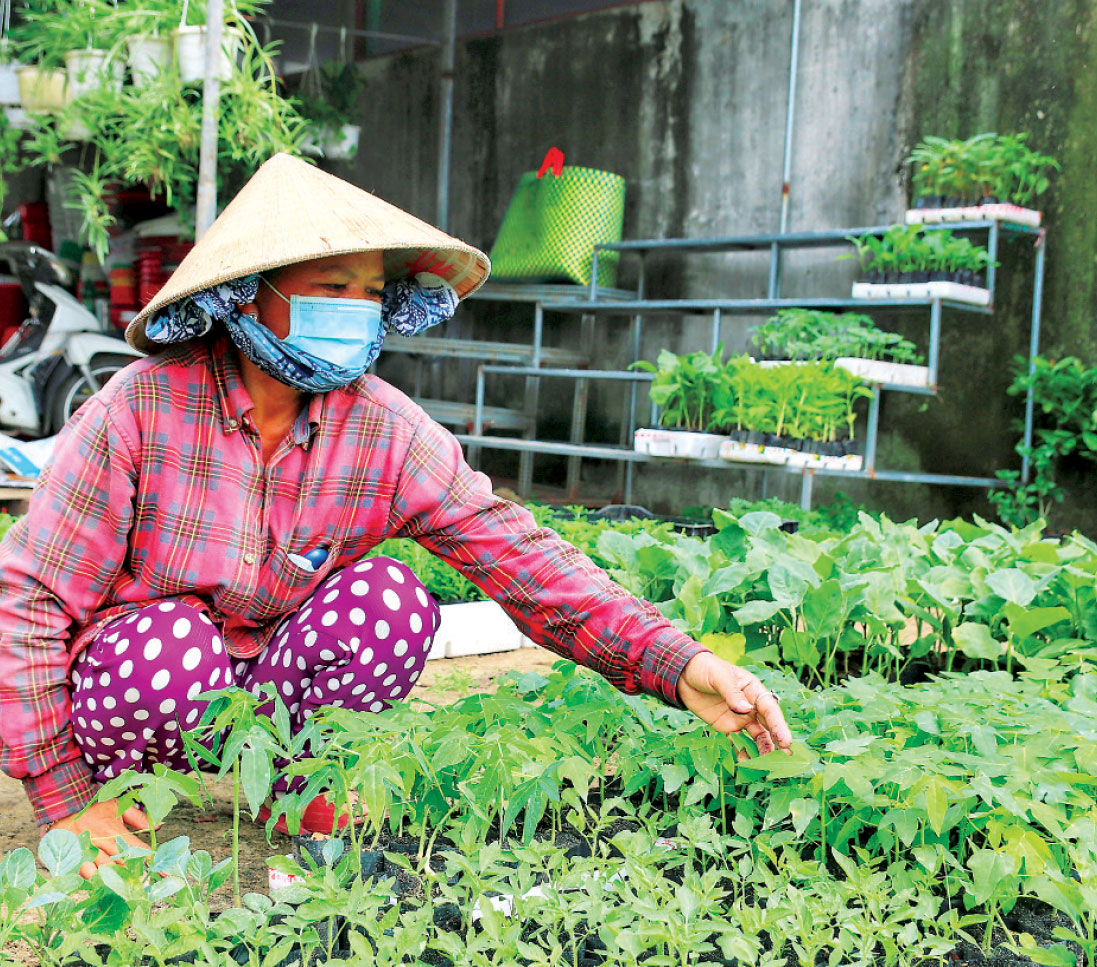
(9, 85)
(329, 143)
(148, 57)
(342, 145)
(17, 117)
(190, 52)
(88, 70)
(881, 371)
(739, 452)
(41, 90)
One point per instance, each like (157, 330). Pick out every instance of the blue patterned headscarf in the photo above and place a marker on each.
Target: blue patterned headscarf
(408, 306)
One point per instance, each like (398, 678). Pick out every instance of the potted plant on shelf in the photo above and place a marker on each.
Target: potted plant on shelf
(850, 340)
(329, 104)
(688, 389)
(910, 261)
(988, 176)
(795, 414)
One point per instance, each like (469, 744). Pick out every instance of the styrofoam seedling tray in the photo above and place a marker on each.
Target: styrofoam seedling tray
(974, 213)
(819, 461)
(952, 291)
(682, 444)
(738, 452)
(881, 371)
(475, 628)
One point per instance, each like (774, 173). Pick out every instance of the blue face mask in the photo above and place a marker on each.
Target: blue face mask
(343, 332)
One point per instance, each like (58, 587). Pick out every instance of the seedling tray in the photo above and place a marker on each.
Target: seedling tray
(683, 444)
(974, 213)
(951, 291)
(880, 371)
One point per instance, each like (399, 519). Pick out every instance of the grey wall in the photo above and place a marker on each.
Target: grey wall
(686, 100)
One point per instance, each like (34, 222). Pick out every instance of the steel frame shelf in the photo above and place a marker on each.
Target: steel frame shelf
(637, 307)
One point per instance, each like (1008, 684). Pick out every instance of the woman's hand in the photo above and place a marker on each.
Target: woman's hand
(101, 819)
(731, 699)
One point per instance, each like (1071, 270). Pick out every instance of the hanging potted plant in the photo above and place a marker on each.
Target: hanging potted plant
(69, 47)
(688, 389)
(189, 38)
(328, 100)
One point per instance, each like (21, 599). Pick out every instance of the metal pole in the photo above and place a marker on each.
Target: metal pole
(445, 136)
(1034, 344)
(872, 431)
(786, 170)
(206, 209)
(934, 342)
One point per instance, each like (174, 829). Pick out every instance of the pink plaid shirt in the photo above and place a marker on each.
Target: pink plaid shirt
(157, 490)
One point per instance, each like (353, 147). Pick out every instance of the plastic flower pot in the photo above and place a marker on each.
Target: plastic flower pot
(41, 90)
(148, 57)
(342, 144)
(190, 52)
(89, 69)
(9, 86)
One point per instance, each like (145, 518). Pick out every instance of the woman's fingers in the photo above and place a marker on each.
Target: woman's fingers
(136, 820)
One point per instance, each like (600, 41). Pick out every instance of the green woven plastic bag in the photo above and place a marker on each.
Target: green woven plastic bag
(553, 223)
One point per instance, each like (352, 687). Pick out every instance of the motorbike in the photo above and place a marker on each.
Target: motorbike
(60, 355)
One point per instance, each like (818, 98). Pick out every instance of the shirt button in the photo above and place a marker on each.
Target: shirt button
(233, 424)
(249, 558)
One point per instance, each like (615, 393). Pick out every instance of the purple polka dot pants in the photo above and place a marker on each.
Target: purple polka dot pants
(359, 641)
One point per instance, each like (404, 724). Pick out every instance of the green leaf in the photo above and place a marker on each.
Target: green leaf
(992, 874)
(673, 776)
(803, 812)
(1057, 955)
(17, 869)
(852, 746)
(976, 641)
(1012, 584)
(255, 777)
(732, 648)
(755, 612)
(936, 792)
(1025, 623)
(798, 761)
(823, 609)
(60, 852)
(798, 648)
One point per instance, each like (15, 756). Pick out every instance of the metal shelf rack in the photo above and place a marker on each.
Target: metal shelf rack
(637, 307)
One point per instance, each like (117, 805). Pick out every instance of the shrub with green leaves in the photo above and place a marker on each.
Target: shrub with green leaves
(1064, 396)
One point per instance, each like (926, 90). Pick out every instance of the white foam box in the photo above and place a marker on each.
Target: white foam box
(974, 213)
(683, 444)
(952, 291)
(880, 371)
(738, 452)
(474, 628)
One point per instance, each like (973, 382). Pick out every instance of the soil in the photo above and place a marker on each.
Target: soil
(444, 680)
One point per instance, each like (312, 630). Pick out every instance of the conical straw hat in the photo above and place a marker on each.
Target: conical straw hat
(291, 211)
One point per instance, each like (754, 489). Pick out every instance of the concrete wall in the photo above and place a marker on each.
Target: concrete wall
(686, 100)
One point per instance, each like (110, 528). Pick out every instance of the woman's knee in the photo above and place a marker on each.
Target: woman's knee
(150, 667)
